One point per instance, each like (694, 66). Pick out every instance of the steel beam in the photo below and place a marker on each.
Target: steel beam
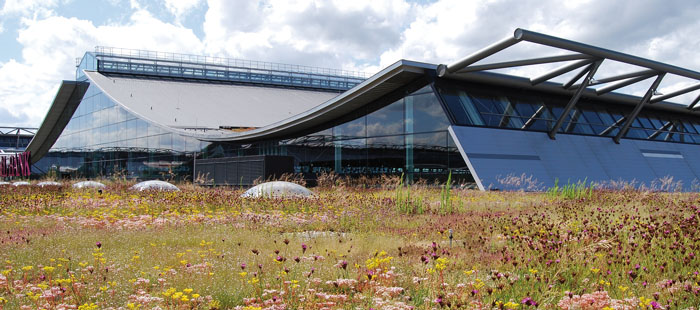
(524, 62)
(577, 77)
(659, 131)
(559, 71)
(574, 118)
(619, 77)
(692, 104)
(638, 108)
(532, 118)
(574, 99)
(669, 134)
(675, 93)
(612, 127)
(507, 114)
(535, 37)
(476, 56)
(609, 88)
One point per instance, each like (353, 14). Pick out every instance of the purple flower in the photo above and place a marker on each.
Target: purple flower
(528, 302)
(98, 244)
(243, 265)
(303, 248)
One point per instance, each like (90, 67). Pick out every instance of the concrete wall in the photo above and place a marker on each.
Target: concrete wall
(499, 159)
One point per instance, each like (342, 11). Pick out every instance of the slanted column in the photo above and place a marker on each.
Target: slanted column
(638, 108)
(574, 99)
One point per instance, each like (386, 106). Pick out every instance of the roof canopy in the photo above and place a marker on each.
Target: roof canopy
(587, 57)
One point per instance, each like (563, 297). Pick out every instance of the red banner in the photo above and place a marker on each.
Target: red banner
(15, 165)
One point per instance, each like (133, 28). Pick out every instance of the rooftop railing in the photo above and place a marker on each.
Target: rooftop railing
(119, 60)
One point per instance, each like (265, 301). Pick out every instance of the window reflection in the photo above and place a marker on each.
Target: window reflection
(471, 105)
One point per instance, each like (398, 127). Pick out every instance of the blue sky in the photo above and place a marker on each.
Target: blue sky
(40, 39)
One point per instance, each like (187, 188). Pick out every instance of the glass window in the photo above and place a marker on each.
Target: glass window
(427, 113)
(352, 129)
(165, 141)
(351, 156)
(510, 118)
(430, 159)
(644, 121)
(141, 128)
(388, 120)
(461, 107)
(153, 142)
(577, 123)
(386, 155)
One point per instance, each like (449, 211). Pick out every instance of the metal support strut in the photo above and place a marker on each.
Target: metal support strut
(638, 108)
(560, 121)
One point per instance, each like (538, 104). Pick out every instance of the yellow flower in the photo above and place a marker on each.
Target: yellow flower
(243, 274)
(49, 269)
(195, 296)
(511, 305)
(595, 270)
(87, 306)
(169, 292)
(644, 302)
(622, 288)
(188, 290)
(533, 271)
(469, 272)
(27, 268)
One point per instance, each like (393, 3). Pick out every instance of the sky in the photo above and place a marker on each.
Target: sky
(41, 39)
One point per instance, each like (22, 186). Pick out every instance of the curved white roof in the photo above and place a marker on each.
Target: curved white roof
(186, 104)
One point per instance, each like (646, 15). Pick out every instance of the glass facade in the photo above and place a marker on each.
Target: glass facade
(404, 133)
(405, 137)
(102, 138)
(14, 142)
(474, 105)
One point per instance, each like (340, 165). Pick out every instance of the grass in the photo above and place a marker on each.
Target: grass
(349, 248)
(578, 190)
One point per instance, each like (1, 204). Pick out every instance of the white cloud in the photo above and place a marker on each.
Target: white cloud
(26, 7)
(324, 33)
(2, 28)
(181, 8)
(358, 35)
(50, 46)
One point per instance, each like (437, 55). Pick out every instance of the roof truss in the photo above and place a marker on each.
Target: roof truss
(587, 58)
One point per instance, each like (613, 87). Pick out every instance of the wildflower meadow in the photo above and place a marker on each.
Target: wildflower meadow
(400, 247)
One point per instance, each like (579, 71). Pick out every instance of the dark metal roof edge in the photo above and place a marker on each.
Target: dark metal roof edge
(67, 98)
(556, 88)
(322, 109)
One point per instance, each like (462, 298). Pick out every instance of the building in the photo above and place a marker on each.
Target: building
(15, 139)
(145, 115)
